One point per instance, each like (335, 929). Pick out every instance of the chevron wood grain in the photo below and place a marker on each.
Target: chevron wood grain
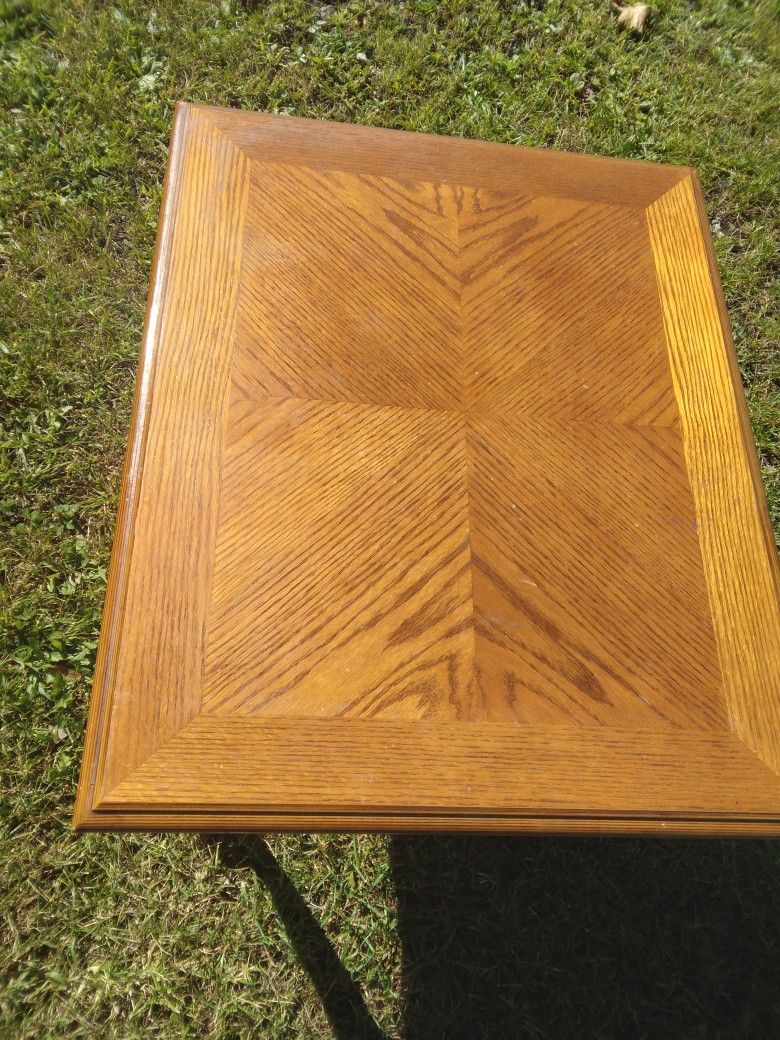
(555, 633)
(358, 607)
(561, 315)
(441, 509)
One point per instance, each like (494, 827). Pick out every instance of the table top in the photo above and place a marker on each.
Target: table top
(441, 509)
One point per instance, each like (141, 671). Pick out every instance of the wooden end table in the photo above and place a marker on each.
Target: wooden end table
(441, 509)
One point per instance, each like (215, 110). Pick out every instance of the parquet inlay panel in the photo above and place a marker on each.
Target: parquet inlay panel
(441, 509)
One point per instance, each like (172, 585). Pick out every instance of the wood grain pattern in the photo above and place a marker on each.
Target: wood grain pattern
(407, 157)
(437, 455)
(357, 607)
(155, 672)
(371, 264)
(590, 601)
(312, 766)
(561, 316)
(739, 561)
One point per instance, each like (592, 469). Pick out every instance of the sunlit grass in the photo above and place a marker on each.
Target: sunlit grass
(128, 937)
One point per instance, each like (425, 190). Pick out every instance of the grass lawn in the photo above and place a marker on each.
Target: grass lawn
(307, 936)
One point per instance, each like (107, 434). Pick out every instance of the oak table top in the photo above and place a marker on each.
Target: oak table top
(441, 509)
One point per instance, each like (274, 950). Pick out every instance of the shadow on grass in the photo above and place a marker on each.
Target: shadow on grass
(600, 938)
(340, 994)
(561, 938)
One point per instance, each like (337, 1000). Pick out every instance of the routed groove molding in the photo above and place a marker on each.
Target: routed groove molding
(441, 509)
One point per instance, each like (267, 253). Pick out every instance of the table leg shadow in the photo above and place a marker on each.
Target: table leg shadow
(554, 938)
(340, 994)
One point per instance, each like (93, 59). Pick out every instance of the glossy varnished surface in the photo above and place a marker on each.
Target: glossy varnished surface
(441, 509)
